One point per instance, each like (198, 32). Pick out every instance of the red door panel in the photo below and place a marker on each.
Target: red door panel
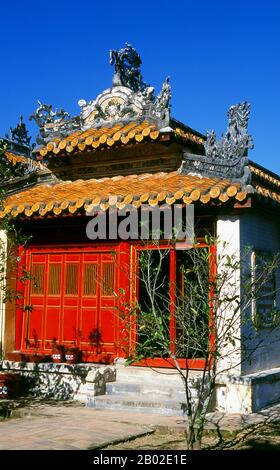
(53, 299)
(35, 327)
(107, 314)
(52, 321)
(73, 301)
(88, 324)
(34, 306)
(69, 325)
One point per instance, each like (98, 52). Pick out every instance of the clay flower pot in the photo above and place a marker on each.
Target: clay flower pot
(9, 385)
(16, 356)
(72, 355)
(58, 354)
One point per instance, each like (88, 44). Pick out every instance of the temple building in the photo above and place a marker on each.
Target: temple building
(125, 150)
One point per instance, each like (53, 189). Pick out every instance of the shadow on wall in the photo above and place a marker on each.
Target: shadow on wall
(58, 381)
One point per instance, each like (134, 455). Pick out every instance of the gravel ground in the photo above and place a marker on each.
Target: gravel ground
(263, 437)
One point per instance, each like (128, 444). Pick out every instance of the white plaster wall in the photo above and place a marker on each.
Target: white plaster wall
(260, 231)
(3, 247)
(233, 397)
(228, 235)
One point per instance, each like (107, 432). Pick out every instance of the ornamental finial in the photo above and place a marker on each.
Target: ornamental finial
(19, 134)
(127, 72)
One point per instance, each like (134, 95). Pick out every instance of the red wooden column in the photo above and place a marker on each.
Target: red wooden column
(124, 307)
(212, 276)
(172, 292)
(20, 289)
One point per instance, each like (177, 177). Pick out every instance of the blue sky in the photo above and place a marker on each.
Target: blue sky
(217, 54)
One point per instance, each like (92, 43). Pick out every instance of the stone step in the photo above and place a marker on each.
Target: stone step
(159, 375)
(137, 402)
(149, 388)
(121, 388)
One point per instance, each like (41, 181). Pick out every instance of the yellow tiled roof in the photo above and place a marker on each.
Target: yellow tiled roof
(266, 183)
(268, 193)
(120, 134)
(72, 197)
(260, 173)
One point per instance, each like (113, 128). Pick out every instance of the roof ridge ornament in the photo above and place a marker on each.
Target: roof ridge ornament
(52, 122)
(161, 107)
(236, 141)
(19, 134)
(129, 99)
(127, 72)
(13, 167)
(226, 157)
(18, 141)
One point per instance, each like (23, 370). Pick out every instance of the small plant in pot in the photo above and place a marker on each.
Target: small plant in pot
(96, 344)
(9, 385)
(58, 352)
(33, 353)
(73, 353)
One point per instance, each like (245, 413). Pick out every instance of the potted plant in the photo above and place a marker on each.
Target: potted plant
(73, 353)
(58, 352)
(9, 385)
(33, 346)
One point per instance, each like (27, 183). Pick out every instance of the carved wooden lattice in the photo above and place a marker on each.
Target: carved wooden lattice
(54, 284)
(37, 286)
(108, 279)
(71, 279)
(90, 279)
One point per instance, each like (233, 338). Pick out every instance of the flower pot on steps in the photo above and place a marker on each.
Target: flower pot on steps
(58, 354)
(9, 385)
(72, 355)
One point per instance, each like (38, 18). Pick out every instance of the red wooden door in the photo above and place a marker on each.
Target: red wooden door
(72, 298)
(33, 331)
(53, 289)
(107, 320)
(90, 304)
(99, 319)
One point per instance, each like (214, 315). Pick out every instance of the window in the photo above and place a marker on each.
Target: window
(263, 289)
(37, 279)
(71, 279)
(90, 279)
(108, 280)
(54, 284)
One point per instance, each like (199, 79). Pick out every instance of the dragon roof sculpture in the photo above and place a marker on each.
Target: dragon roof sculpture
(226, 157)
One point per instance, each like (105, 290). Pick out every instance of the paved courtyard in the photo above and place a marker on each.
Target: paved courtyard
(75, 427)
(70, 426)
